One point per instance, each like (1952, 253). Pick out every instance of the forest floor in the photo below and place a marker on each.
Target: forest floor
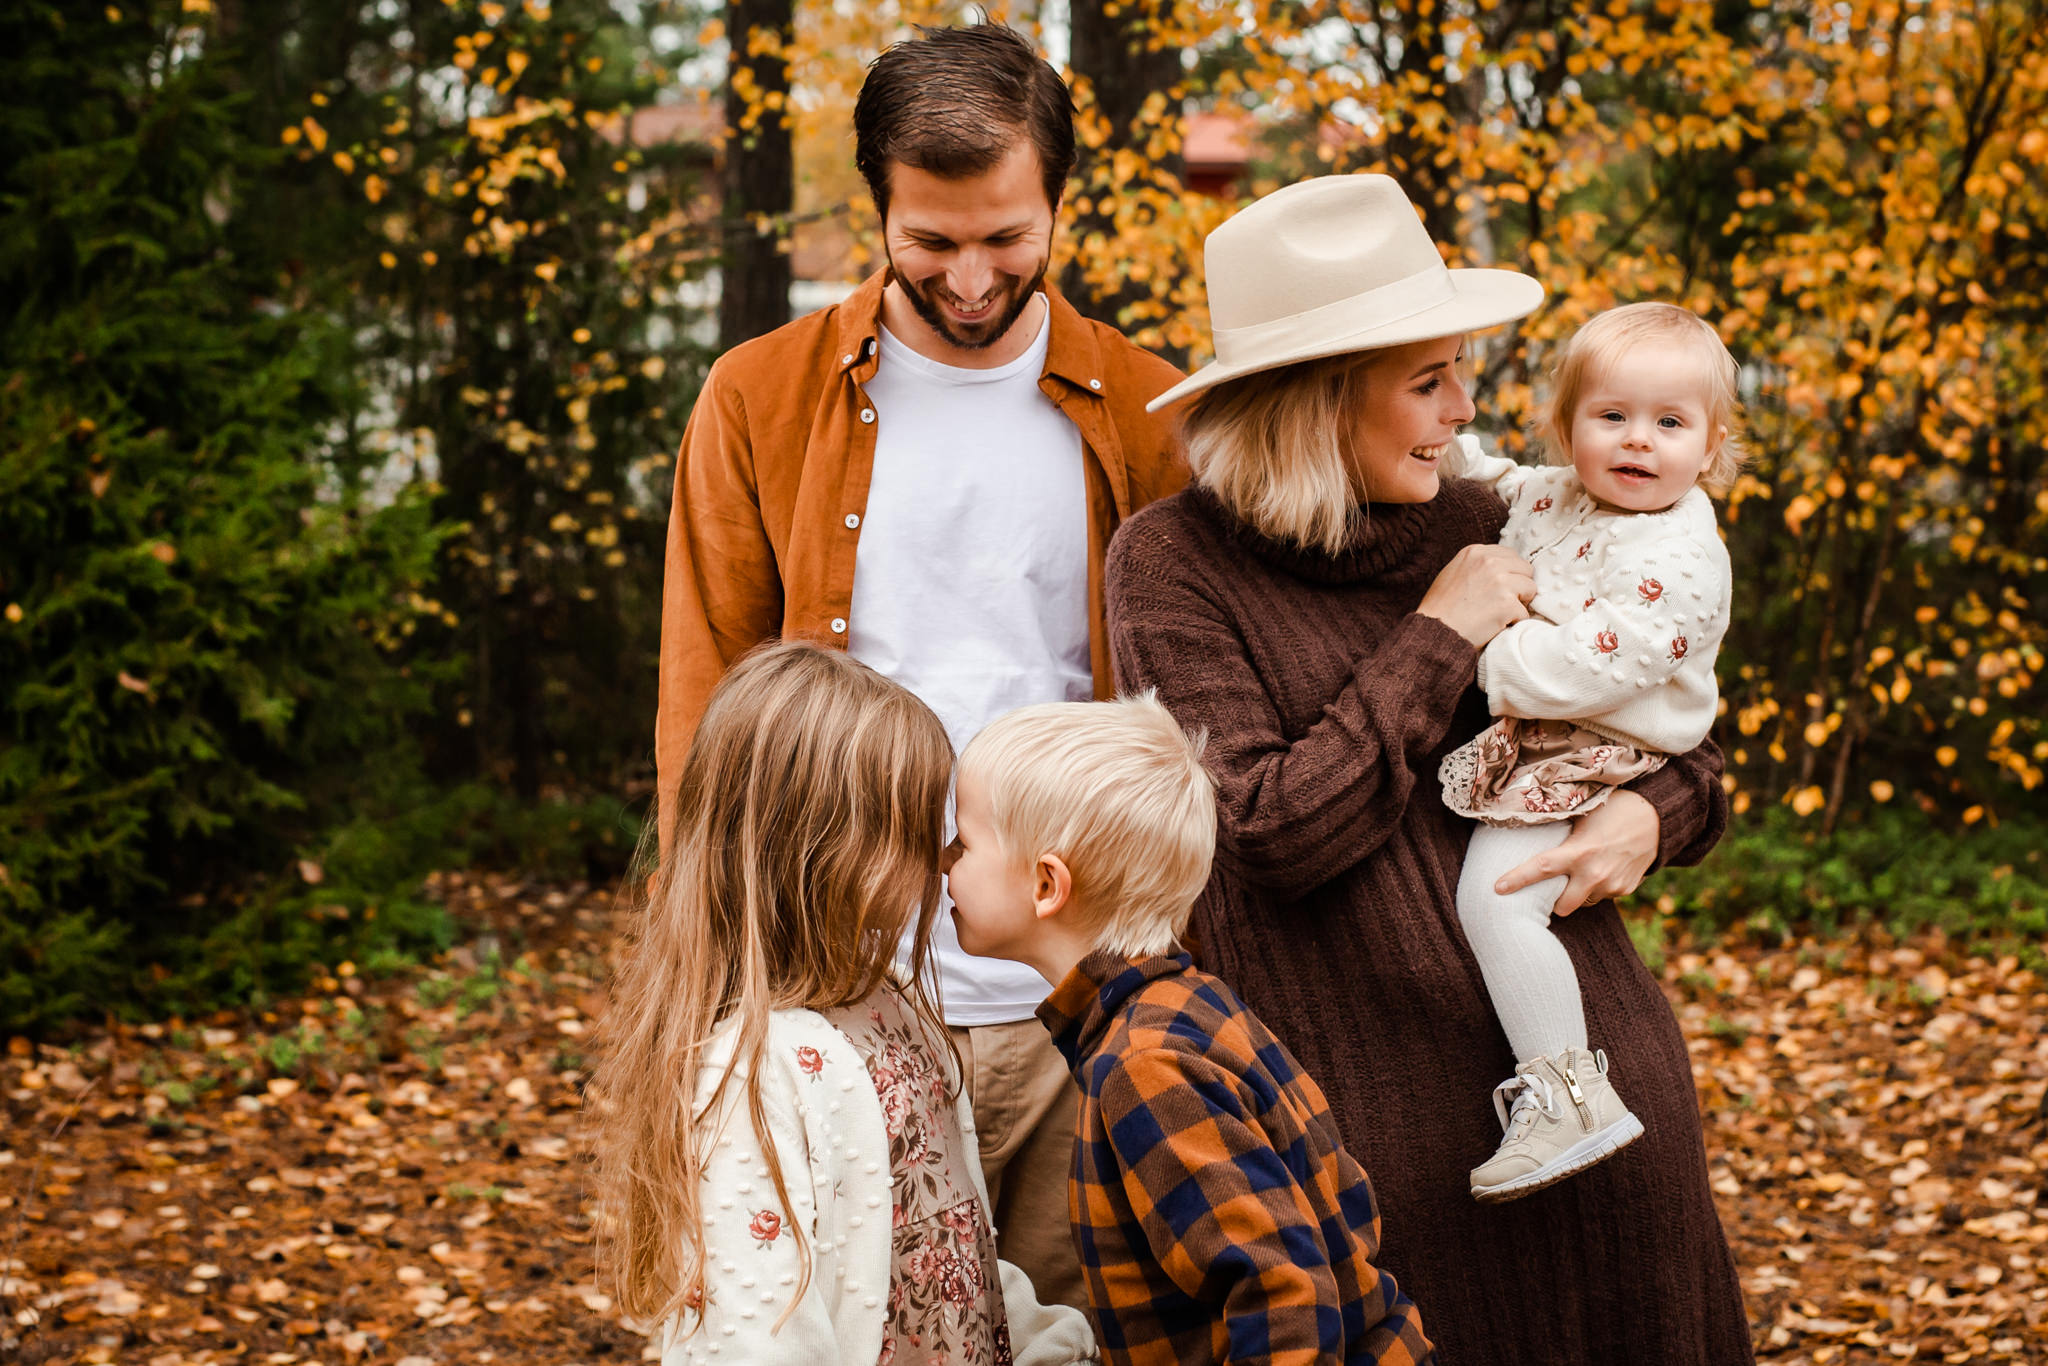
(394, 1171)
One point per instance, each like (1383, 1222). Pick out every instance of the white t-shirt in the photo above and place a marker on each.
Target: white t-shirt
(970, 583)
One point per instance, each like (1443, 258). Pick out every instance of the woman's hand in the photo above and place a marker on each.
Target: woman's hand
(1483, 590)
(1606, 855)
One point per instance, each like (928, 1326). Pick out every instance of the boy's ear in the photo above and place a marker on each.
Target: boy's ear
(1054, 886)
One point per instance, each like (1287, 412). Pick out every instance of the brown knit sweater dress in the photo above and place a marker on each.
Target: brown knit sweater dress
(1329, 704)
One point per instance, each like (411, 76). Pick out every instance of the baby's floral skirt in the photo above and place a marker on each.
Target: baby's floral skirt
(1519, 772)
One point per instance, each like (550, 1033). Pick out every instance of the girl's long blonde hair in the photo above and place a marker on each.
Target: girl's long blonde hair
(807, 832)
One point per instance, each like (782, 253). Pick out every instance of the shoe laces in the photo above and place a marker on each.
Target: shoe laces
(1531, 1095)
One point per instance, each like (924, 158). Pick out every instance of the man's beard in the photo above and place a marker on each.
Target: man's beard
(981, 334)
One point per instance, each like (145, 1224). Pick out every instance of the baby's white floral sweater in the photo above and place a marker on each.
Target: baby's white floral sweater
(1629, 612)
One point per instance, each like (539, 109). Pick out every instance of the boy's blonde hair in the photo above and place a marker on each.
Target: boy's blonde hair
(1115, 789)
(1606, 337)
(805, 840)
(1270, 446)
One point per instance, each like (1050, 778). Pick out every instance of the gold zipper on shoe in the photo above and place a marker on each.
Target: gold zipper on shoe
(1571, 1084)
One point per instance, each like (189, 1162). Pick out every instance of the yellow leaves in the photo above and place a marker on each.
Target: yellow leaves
(1808, 800)
(387, 260)
(14, 613)
(373, 187)
(1798, 511)
(344, 162)
(1945, 756)
(546, 270)
(316, 136)
(1881, 791)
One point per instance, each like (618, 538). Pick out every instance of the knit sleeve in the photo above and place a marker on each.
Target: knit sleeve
(1692, 806)
(1294, 812)
(752, 1310)
(1226, 1220)
(750, 1241)
(1643, 626)
(1497, 472)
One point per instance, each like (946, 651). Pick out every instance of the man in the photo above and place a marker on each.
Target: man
(927, 475)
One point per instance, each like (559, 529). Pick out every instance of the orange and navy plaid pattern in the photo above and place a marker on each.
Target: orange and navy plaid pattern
(1217, 1216)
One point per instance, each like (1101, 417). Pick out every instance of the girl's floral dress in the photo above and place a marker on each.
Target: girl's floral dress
(945, 1301)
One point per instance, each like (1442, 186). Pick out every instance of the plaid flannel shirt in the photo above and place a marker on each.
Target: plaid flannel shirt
(1216, 1215)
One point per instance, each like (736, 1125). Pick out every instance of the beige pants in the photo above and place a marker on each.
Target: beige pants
(1025, 1105)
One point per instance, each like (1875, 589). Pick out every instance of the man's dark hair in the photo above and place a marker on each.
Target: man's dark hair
(951, 102)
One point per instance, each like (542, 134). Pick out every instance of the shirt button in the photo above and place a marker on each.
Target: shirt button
(839, 626)
(847, 359)
(1094, 384)
(867, 414)
(852, 520)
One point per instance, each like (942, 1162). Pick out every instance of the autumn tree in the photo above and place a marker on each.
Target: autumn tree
(757, 182)
(1126, 77)
(521, 281)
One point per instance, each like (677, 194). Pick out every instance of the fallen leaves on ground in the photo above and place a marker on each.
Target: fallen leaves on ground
(393, 1171)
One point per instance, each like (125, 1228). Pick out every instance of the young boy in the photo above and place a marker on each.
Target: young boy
(1216, 1215)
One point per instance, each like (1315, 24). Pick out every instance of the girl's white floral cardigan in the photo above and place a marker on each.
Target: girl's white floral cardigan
(825, 1121)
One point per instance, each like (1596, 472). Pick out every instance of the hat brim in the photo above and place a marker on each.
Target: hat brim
(1481, 299)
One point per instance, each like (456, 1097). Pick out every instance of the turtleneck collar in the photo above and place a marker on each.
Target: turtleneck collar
(1383, 537)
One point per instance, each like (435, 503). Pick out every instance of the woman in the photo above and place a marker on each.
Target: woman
(1317, 601)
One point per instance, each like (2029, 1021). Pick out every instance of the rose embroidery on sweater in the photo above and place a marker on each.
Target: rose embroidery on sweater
(1607, 642)
(1584, 605)
(1649, 590)
(1540, 505)
(1584, 550)
(767, 1226)
(1678, 649)
(810, 1061)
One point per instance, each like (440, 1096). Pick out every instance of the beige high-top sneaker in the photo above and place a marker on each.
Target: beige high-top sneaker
(1560, 1115)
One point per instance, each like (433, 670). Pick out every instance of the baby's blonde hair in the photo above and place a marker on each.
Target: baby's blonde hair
(1117, 791)
(1606, 337)
(805, 840)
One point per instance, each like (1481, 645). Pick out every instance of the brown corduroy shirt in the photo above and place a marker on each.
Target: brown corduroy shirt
(772, 481)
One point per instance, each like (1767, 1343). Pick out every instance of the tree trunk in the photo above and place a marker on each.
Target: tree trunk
(758, 181)
(1112, 53)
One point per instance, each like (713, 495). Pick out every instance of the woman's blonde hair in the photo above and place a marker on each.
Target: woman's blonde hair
(806, 836)
(1608, 336)
(1117, 790)
(1271, 447)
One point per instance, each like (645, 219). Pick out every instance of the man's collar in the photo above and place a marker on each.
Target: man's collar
(1071, 353)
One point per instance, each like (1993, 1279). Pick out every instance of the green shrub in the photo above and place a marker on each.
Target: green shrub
(1899, 868)
(200, 600)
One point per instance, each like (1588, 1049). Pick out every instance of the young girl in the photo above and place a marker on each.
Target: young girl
(1613, 670)
(786, 1169)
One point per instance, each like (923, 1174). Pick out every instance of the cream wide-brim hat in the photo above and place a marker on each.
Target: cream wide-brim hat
(1333, 265)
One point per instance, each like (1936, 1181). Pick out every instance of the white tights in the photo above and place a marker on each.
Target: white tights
(1528, 973)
